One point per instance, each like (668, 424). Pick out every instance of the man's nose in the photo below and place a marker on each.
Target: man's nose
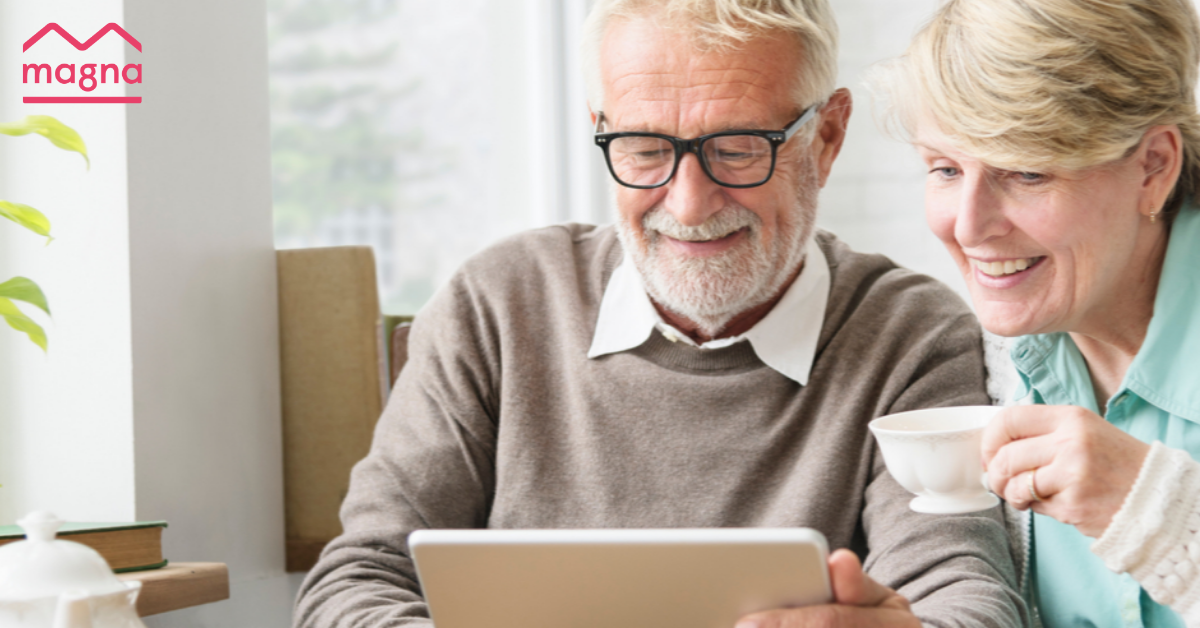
(691, 195)
(980, 214)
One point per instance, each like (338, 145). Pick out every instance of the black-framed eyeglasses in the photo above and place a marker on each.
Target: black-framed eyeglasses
(734, 159)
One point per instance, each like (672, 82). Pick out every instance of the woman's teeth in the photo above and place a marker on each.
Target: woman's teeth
(1008, 267)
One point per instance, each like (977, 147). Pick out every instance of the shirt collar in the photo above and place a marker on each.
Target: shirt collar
(1052, 365)
(785, 339)
(1164, 372)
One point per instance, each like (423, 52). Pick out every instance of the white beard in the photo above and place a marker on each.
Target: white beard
(711, 291)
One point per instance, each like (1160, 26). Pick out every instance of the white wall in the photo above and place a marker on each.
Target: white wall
(66, 428)
(205, 337)
(874, 199)
(159, 398)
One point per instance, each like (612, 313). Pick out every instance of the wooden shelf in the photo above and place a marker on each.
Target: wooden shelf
(180, 585)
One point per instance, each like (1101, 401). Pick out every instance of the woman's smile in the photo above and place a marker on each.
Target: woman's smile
(1000, 268)
(1004, 273)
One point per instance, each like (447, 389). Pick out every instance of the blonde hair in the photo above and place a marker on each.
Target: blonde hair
(1031, 84)
(725, 24)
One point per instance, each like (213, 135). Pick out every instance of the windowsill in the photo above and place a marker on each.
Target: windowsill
(180, 585)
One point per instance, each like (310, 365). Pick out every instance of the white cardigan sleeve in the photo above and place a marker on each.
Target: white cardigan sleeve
(1155, 536)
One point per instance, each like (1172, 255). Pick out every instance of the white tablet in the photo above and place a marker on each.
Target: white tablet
(673, 578)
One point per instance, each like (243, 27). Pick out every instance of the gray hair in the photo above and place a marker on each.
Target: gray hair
(727, 24)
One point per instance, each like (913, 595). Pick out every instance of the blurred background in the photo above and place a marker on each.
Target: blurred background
(429, 129)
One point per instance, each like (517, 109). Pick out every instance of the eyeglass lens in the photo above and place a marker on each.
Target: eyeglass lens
(731, 159)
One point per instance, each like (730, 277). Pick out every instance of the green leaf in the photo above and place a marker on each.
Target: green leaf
(26, 216)
(18, 321)
(50, 128)
(23, 289)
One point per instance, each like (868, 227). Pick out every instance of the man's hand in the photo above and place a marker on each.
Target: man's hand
(859, 601)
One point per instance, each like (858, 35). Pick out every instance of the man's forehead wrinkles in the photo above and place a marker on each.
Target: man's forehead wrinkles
(734, 74)
(664, 111)
(640, 82)
(693, 92)
(693, 95)
(721, 91)
(748, 79)
(683, 81)
(662, 86)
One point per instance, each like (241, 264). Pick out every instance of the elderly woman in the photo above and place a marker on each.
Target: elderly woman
(1062, 145)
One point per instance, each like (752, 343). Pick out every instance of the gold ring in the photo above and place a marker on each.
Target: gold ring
(1033, 494)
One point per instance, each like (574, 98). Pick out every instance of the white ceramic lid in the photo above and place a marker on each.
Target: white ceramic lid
(41, 566)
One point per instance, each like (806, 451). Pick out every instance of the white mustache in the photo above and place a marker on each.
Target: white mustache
(717, 226)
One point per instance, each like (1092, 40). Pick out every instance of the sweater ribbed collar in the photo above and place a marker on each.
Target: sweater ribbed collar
(785, 339)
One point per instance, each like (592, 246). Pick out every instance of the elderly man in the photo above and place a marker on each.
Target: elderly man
(710, 362)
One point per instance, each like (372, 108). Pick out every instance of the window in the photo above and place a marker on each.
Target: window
(427, 130)
(389, 118)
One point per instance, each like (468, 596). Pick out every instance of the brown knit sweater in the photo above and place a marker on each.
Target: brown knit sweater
(500, 420)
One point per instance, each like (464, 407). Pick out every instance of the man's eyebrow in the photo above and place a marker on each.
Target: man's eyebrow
(737, 126)
(747, 126)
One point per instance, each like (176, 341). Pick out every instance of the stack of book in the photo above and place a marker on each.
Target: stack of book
(126, 546)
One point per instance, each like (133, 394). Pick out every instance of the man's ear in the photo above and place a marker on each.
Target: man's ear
(593, 115)
(835, 116)
(1161, 159)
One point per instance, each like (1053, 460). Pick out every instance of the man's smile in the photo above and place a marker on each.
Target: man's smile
(707, 247)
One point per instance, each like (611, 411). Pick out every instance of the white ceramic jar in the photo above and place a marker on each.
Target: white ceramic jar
(49, 583)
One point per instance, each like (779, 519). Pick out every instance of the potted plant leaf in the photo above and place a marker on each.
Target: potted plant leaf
(21, 288)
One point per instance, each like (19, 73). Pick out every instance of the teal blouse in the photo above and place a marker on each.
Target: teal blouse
(1159, 399)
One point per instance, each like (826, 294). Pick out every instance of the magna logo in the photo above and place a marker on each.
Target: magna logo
(88, 76)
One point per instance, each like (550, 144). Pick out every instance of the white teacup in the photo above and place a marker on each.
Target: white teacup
(934, 453)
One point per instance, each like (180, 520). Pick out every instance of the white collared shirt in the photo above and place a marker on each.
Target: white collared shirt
(785, 339)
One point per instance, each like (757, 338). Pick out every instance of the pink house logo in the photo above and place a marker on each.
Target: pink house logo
(87, 77)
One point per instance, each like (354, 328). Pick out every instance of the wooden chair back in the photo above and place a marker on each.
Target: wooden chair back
(334, 381)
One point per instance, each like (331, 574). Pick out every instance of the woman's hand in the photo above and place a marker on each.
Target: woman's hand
(859, 602)
(1079, 465)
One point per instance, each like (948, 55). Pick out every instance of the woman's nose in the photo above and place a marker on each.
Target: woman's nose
(980, 215)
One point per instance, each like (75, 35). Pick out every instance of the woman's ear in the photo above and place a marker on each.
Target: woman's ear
(1161, 159)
